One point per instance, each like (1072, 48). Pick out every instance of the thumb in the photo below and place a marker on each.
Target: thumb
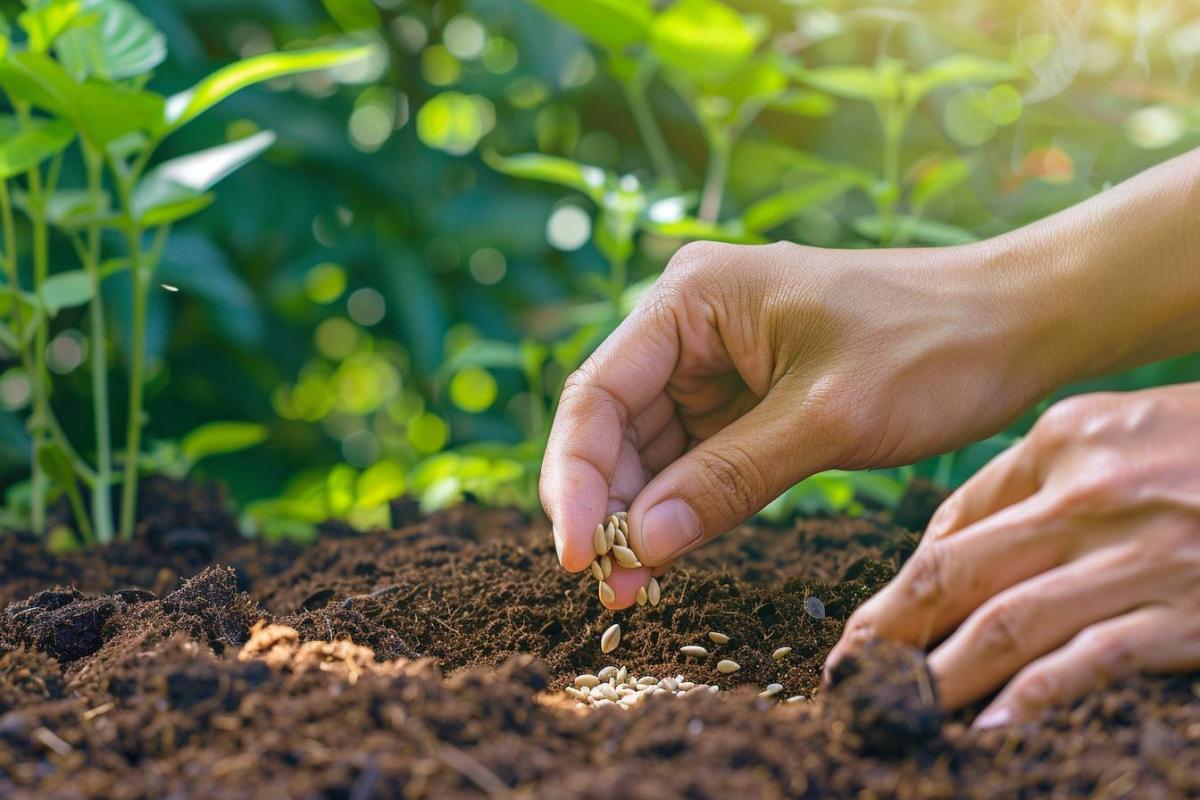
(725, 479)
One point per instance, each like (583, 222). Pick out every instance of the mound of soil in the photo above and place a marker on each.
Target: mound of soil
(428, 661)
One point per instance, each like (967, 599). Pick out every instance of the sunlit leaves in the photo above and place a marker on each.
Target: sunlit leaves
(107, 112)
(962, 68)
(614, 24)
(772, 211)
(24, 145)
(853, 82)
(71, 209)
(550, 169)
(37, 79)
(704, 39)
(455, 122)
(45, 21)
(220, 438)
(119, 44)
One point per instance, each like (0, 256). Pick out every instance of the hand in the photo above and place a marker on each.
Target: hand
(746, 369)
(1071, 560)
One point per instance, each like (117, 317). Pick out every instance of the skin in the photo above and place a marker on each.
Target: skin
(1071, 560)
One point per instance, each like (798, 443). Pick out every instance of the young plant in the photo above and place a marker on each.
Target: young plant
(75, 74)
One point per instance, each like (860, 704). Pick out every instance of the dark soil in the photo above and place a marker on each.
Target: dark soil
(426, 662)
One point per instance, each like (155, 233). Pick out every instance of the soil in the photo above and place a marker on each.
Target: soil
(428, 661)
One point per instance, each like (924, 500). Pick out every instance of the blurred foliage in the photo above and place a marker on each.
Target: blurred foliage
(399, 287)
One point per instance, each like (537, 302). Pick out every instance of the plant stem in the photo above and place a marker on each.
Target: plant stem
(892, 120)
(618, 276)
(636, 94)
(102, 515)
(719, 145)
(41, 389)
(82, 524)
(137, 366)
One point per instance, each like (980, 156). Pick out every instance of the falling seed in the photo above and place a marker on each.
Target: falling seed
(725, 666)
(587, 680)
(641, 596)
(815, 608)
(606, 565)
(718, 638)
(625, 557)
(611, 637)
(653, 591)
(607, 595)
(597, 571)
(599, 542)
(781, 652)
(610, 535)
(693, 650)
(771, 690)
(620, 539)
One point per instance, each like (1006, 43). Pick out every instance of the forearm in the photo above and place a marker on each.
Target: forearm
(1113, 282)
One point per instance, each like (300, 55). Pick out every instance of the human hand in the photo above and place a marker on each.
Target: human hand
(1072, 559)
(746, 369)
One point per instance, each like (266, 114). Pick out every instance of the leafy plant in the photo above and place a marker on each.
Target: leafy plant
(75, 74)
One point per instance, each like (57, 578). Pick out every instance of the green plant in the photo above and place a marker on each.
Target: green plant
(76, 82)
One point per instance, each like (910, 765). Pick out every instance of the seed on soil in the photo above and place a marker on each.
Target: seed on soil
(668, 684)
(693, 650)
(607, 595)
(771, 690)
(796, 698)
(653, 591)
(647, 680)
(597, 571)
(718, 638)
(725, 666)
(781, 652)
(606, 673)
(586, 680)
(571, 690)
(641, 596)
(611, 637)
(606, 565)
(815, 608)
(599, 542)
(625, 557)
(622, 675)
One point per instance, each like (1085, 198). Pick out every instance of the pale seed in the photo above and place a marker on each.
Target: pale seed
(686, 685)
(714, 689)
(623, 526)
(796, 698)
(607, 595)
(606, 673)
(781, 653)
(641, 596)
(771, 690)
(625, 557)
(622, 675)
(611, 637)
(571, 690)
(597, 571)
(693, 650)
(603, 701)
(620, 538)
(647, 680)
(607, 692)
(621, 515)
(610, 534)
(625, 691)
(719, 638)
(653, 591)
(696, 688)
(606, 565)
(725, 666)
(631, 699)
(587, 680)
(599, 542)
(668, 684)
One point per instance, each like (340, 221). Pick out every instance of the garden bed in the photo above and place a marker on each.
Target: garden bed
(140, 681)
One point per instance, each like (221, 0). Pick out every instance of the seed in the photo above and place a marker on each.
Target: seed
(781, 652)
(714, 689)
(631, 700)
(623, 526)
(607, 595)
(647, 680)
(621, 515)
(668, 684)
(641, 596)
(796, 698)
(693, 650)
(725, 666)
(606, 565)
(597, 571)
(571, 690)
(771, 690)
(625, 557)
(622, 675)
(611, 637)
(606, 673)
(653, 591)
(607, 692)
(610, 534)
(587, 680)
(603, 701)
(686, 685)
(599, 542)
(695, 688)
(815, 608)
(625, 691)
(620, 538)
(719, 638)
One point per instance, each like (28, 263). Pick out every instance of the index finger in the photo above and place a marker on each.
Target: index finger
(617, 383)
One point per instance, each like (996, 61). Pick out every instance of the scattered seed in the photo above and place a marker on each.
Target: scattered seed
(571, 690)
(815, 608)
(611, 637)
(606, 565)
(647, 680)
(607, 595)
(599, 542)
(668, 684)
(607, 692)
(619, 538)
(625, 557)
(714, 689)
(606, 673)
(719, 638)
(653, 591)
(693, 650)
(622, 675)
(641, 596)
(597, 571)
(781, 652)
(771, 690)
(586, 680)
(725, 666)
(630, 700)
(796, 698)
(686, 685)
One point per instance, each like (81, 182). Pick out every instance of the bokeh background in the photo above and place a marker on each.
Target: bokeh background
(399, 303)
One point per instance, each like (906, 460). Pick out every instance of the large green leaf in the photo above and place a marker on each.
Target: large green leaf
(109, 112)
(551, 169)
(856, 83)
(219, 438)
(186, 106)
(704, 39)
(37, 79)
(961, 68)
(161, 202)
(66, 290)
(120, 44)
(615, 24)
(25, 145)
(45, 21)
(784, 206)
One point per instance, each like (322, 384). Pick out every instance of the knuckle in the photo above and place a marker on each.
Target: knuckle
(1001, 627)
(1066, 418)
(1113, 656)
(581, 393)
(946, 517)
(693, 260)
(925, 576)
(732, 477)
(1036, 687)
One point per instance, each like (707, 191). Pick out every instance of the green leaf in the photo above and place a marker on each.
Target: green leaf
(25, 145)
(803, 103)
(773, 211)
(380, 483)
(186, 106)
(219, 438)
(160, 202)
(855, 83)
(614, 24)
(72, 209)
(109, 112)
(44, 21)
(551, 169)
(961, 68)
(121, 44)
(937, 179)
(37, 79)
(66, 290)
(941, 234)
(704, 39)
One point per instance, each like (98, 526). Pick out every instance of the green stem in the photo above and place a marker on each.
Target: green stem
(636, 94)
(720, 145)
(82, 524)
(618, 276)
(892, 120)
(137, 367)
(38, 378)
(102, 515)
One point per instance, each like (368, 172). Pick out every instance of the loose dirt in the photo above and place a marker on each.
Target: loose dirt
(428, 661)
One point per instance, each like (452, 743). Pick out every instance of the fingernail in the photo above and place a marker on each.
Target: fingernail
(558, 545)
(993, 718)
(667, 528)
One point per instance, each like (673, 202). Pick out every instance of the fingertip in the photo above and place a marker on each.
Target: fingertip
(625, 584)
(993, 717)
